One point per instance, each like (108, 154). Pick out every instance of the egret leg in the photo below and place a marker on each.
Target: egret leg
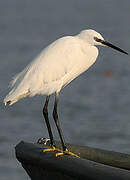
(56, 119)
(45, 114)
(55, 116)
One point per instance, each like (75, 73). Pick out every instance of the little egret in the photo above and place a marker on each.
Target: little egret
(55, 67)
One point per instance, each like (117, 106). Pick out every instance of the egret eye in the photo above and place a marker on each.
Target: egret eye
(97, 39)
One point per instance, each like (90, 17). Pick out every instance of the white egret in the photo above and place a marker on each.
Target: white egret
(55, 67)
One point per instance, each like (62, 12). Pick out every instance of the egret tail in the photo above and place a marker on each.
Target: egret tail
(14, 96)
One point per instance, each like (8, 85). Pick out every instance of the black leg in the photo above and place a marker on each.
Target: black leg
(45, 114)
(55, 116)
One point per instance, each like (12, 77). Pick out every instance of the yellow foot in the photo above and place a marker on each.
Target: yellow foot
(66, 152)
(53, 148)
(60, 152)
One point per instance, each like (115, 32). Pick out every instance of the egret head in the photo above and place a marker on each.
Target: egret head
(94, 38)
(89, 36)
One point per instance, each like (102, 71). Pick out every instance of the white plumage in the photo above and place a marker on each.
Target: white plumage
(57, 65)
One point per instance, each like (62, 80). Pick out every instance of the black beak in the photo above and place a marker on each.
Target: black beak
(110, 45)
(114, 47)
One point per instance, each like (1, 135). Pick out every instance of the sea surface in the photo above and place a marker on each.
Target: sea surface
(94, 109)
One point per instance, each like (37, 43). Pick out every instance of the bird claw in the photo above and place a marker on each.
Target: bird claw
(60, 152)
(53, 148)
(66, 152)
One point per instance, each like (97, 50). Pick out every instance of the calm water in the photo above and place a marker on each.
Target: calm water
(95, 108)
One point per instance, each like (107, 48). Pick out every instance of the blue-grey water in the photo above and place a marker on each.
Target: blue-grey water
(95, 108)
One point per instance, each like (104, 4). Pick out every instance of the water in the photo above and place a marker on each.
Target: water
(95, 108)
